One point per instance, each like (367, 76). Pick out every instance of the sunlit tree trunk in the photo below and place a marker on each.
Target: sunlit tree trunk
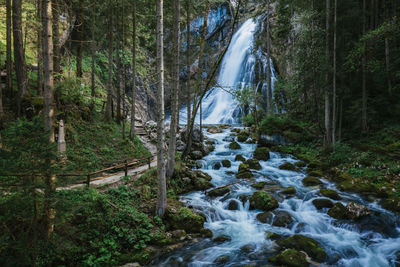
(49, 109)
(19, 54)
(175, 91)
(162, 185)
(133, 107)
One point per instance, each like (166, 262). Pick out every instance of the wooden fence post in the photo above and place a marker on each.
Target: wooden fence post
(126, 168)
(88, 180)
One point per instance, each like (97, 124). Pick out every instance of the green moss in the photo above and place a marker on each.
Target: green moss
(291, 258)
(253, 164)
(338, 211)
(234, 146)
(263, 201)
(240, 158)
(184, 219)
(311, 181)
(262, 153)
(244, 172)
(329, 193)
(289, 191)
(307, 244)
(219, 192)
(287, 166)
(242, 136)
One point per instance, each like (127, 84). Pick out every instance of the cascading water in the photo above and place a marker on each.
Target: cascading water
(238, 68)
(372, 242)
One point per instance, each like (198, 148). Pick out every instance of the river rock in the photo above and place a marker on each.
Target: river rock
(329, 193)
(282, 219)
(240, 158)
(338, 211)
(196, 155)
(244, 172)
(244, 198)
(272, 236)
(306, 244)
(180, 145)
(356, 211)
(243, 136)
(265, 217)
(205, 232)
(219, 192)
(321, 203)
(259, 185)
(222, 259)
(217, 166)
(311, 181)
(300, 164)
(287, 166)
(177, 234)
(214, 130)
(233, 205)
(247, 248)
(185, 219)
(263, 201)
(289, 191)
(291, 258)
(222, 239)
(262, 153)
(234, 146)
(253, 164)
(228, 139)
(226, 163)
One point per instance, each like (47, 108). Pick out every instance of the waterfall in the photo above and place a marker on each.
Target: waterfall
(238, 68)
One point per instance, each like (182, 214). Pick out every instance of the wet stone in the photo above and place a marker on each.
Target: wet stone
(248, 248)
(321, 203)
(217, 166)
(240, 158)
(329, 193)
(222, 239)
(265, 217)
(222, 259)
(233, 205)
(282, 219)
(226, 163)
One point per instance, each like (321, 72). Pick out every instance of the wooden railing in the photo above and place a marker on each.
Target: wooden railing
(126, 165)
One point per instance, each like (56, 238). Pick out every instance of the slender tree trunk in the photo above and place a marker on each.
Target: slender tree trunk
(56, 37)
(19, 54)
(328, 142)
(49, 109)
(162, 184)
(118, 62)
(175, 90)
(123, 71)
(334, 76)
(93, 72)
(269, 87)
(39, 48)
(340, 119)
(387, 61)
(1, 109)
(188, 91)
(79, 52)
(110, 69)
(133, 107)
(364, 124)
(9, 66)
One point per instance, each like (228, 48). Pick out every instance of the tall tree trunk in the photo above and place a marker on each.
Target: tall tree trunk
(133, 107)
(162, 185)
(1, 108)
(188, 91)
(49, 109)
(39, 10)
(364, 124)
(56, 37)
(327, 100)
(334, 76)
(118, 62)
(92, 76)
(123, 71)
(175, 90)
(269, 87)
(79, 48)
(387, 58)
(19, 55)
(9, 66)
(109, 108)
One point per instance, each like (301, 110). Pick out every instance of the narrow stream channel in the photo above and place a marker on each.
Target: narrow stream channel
(369, 242)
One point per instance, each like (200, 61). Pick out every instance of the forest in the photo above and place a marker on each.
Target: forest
(200, 133)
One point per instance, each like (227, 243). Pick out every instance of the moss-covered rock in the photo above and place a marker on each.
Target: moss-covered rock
(316, 173)
(240, 158)
(222, 259)
(219, 192)
(311, 181)
(392, 204)
(243, 136)
(205, 232)
(338, 211)
(290, 258)
(233, 205)
(263, 201)
(184, 218)
(356, 186)
(214, 129)
(306, 244)
(222, 239)
(262, 153)
(321, 203)
(259, 185)
(247, 248)
(289, 191)
(265, 217)
(253, 164)
(287, 166)
(329, 193)
(226, 163)
(282, 219)
(272, 236)
(234, 146)
(201, 184)
(244, 172)
(300, 164)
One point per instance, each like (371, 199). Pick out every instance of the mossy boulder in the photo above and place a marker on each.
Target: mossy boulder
(206, 233)
(222, 239)
(321, 203)
(233, 205)
(253, 164)
(316, 173)
(265, 217)
(219, 192)
(242, 136)
(392, 204)
(263, 201)
(282, 219)
(240, 158)
(259, 185)
(290, 258)
(287, 166)
(234, 146)
(338, 211)
(311, 181)
(289, 191)
(356, 186)
(306, 244)
(244, 172)
(272, 236)
(262, 153)
(248, 248)
(222, 259)
(329, 193)
(185, 219)
(201, 184)
(226, 163)
(300, 164)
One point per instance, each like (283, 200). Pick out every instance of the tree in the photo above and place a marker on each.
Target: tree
(133, 106)
(269, 87)
(327, 100)
(9, 84)
(110, 67)
(56, 36)
(175, 91)
(39, 48)
(79, 48)
(19, 54)
(188, 91)
(364, 81)
(49, 109)
(162, 185)
(334, 76)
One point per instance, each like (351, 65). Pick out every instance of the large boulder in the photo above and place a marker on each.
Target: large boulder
(321, 203)
(234, 146)
(185, 219)
(287, 166)
(240, 158)
(329, 193)
(311, 181)
(244, 172)
(196, 155)
(290, 258)
(282, 219)
(338, 211)
(219, 192)
(352, 211)
(253, 164)
(306, 244)
(289, 191)
(263, 201)
(262, 153)
(196, 134)
(265, 217)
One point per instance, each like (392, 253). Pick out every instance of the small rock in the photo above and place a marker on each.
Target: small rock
(262, 153)
(259, 185)
(263, 201)
(289, 191)
(292, 258)
(217, 166)
(282, 219)
(253, 164)
(226, 163)
(306, 244)
(233, 205)
(222, 259)
(244, 172)
(338, 211)
(219, 192)
(287, 166)
(222, 239)
(247, 248)
(244, 198)
(272, 236)
(329, 193)
(196, 155)
(357, 211)
(243, 136)
(214, 130)
(178, 233)
(300, 164)
(240, 158)
(321, 203)
(205, 232)
(234, 146)
(311, 181)
(265, 217)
